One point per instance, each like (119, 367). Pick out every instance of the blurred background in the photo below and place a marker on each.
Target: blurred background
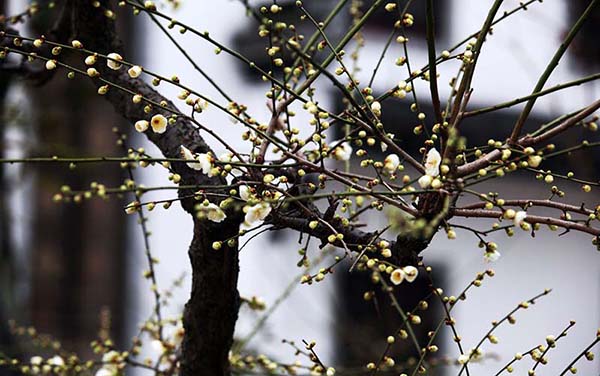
(70, 269)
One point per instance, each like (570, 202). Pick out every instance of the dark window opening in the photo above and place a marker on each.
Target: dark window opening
(585, 47)
(246, 42)
(362, 326)
(383, 21)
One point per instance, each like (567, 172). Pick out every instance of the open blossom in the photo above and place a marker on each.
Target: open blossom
(384, 146)
(410, 273)
(245, 192)
(135, 71)
(256, 213)
(397, 276)
(189, 156)
(432, 163)
(132, 207)
(113, 61)
(141, 125)
(159, 123)
(56, 361)
(111, 357)
(491, 256)
(342, 152)
(111, 362)
(201, 162)
(376, 108)
(519, 218)
(178, 335)
(229, 157)
(425, 181)
(206, 161)
(36, 360)
(158, 346)
(226, 157)
(105, 372)
(391, 163)
(212, 212)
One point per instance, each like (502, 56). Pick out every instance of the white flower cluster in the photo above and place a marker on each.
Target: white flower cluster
(255, 212)
(38, 365)
(211, 211)
(408, 273)
(112, 363)
(201, 162)
(342, 152)
(391, 163)
(432, 170)
(158, 123)
(492, 255)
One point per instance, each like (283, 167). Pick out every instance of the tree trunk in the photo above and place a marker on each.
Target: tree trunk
(210, 314)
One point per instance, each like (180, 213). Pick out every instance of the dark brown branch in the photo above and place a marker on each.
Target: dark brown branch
(525, 141)
(533, 203)
(433, 87)
(533, 219)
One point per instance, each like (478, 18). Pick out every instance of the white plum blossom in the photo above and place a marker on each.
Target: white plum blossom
(135, 71)
(229, 157)
(212, 211)
(158, 346)
(226, 157)
(206, 161)
(132, 207)
(110, 357)
(159, 123)
(520, 217)
(189, 156)
(105, 372)
(113, 61)
(384, 146)
(492, 256)
(410, 273)
(376, 108)
(391, 163)
(201, 162)
(245, 192)
(111, 362)
(432, 169)
(432, 163)
(178, 335)
(56, 361)
(342, 152)
(425, 181)
(256, 213)
(36, 360)
(397, 276)
(141, 125)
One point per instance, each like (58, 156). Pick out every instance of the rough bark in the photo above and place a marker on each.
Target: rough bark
(212, 310)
